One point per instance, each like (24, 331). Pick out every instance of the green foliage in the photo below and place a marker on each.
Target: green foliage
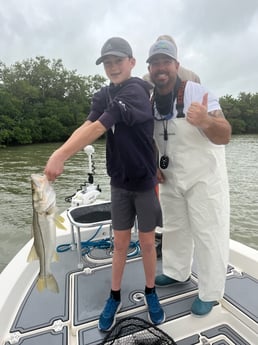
(242, 112)
(41, 101)
(238, 126)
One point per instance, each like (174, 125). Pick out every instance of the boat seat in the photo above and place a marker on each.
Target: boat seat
(88, 216)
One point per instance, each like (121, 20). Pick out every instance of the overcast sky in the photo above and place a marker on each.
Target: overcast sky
(218, 40)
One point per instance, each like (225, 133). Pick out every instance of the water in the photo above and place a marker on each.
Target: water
(17, 164)
(242, 162)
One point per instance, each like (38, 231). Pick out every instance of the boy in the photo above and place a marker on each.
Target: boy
(123, 110)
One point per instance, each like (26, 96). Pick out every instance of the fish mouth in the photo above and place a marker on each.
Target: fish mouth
(37, 180)
(43, 194)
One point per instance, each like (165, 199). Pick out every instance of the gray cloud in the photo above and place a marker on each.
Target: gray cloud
(215, 39)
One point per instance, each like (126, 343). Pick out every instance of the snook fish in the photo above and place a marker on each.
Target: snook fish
(44, 230)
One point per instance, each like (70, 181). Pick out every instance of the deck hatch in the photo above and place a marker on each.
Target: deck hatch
(247, 302)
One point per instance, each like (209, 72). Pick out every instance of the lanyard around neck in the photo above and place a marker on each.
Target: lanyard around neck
(165, 117)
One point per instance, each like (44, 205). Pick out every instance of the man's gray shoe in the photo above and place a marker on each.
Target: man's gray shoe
(201, 308)
(164, 281)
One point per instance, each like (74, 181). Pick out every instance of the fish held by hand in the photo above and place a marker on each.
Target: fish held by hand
(44, 224)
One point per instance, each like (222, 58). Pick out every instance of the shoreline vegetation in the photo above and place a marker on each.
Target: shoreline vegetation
(42, 102)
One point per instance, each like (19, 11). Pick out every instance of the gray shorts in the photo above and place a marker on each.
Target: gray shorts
(126, 205)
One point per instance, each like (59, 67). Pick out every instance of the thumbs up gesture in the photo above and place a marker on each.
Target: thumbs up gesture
(197, 114)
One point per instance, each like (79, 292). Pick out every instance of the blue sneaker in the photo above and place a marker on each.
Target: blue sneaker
(107, 318)
(201, 308)
(164, 281)
(155, 312)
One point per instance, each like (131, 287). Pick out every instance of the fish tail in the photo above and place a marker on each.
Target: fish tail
(41, 284)
(32, 254)
(48, 282)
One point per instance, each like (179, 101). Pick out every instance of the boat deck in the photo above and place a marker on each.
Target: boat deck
(71, 316)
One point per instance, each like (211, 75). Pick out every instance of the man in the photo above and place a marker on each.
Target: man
(183, 73)
(194, 190)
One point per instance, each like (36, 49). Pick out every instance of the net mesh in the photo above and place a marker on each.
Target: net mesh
(136, 331)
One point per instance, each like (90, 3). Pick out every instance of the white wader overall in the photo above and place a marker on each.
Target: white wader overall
(195, 204)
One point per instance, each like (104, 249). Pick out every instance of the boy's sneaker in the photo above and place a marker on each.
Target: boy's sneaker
(164, 281)
(107, 318)
(156, 313)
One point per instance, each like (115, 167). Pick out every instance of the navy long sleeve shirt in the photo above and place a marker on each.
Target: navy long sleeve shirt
(125, 111)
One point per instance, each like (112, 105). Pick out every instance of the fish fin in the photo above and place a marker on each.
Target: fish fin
(55, 257)
(32, 255)
(48, 282)
(59, 222)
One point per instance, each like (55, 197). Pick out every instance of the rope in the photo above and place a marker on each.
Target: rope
(89, 245)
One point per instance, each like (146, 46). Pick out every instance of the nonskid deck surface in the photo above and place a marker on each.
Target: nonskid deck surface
(47, 318)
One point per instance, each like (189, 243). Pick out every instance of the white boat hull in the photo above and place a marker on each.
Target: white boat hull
(28, 317)
(79, 320)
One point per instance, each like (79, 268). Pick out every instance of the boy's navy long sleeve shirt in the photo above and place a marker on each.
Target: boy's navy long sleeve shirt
(125, 111)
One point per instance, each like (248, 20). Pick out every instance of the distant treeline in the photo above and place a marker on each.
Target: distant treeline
(41, 101)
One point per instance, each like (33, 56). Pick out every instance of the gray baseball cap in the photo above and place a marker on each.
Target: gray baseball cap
(116, 46)
(162, 47)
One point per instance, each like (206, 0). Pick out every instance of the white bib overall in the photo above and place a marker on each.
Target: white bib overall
(195, 204)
